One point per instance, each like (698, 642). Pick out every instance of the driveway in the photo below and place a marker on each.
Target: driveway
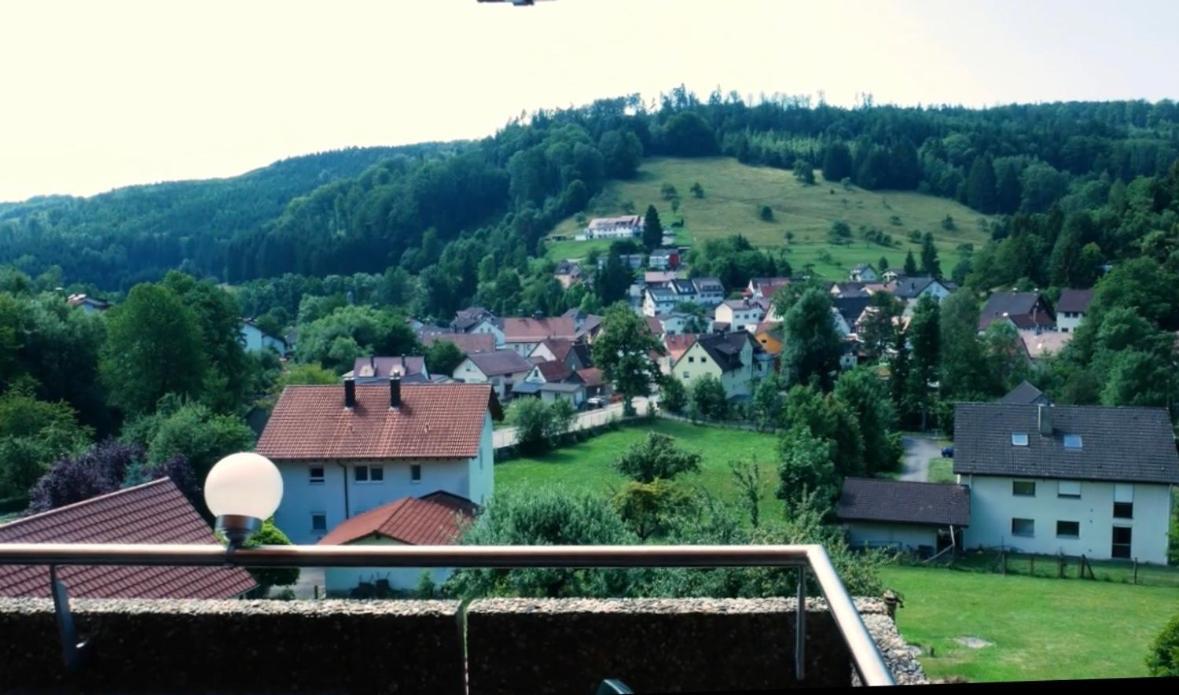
(919, 451)
(506, 436)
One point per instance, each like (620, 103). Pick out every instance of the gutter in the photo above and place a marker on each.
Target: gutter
(347, 509)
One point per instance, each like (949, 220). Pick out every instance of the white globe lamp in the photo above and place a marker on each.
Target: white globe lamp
(241, 491)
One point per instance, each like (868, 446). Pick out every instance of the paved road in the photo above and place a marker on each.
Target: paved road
(919, 450)
(590, 418)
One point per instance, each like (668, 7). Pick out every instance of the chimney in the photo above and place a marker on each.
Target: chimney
(1044, 418)
(349, 393)
(395, 390)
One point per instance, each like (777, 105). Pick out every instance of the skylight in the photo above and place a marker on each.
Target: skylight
(1019, 439)
(1072, 441)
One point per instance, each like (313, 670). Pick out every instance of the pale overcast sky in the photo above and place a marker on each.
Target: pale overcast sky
(96, 95)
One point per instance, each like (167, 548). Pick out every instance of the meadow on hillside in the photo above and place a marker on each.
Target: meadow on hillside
(734, 194)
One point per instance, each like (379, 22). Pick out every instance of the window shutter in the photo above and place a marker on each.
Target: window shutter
(1069, 488)
(1123, 492)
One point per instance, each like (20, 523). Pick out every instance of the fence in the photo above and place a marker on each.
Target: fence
(1007, 561)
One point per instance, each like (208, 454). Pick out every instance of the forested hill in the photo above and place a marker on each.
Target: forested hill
(437, 212)
(116, 239)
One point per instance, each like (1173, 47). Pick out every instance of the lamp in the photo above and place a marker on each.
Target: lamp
(241, 490)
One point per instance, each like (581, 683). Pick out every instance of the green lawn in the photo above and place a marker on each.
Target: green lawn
(1038, 628)
(589, 464)
(941, 471)
(734, 193)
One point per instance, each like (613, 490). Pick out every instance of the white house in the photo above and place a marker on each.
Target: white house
(344, 450)
(438, 518)
(863, 272)
(256, 340)
(500, 368)
(1071, 309)
(659, 300)
(740, 314)
(554, 380)
(910, 290)
(730, 357)
(709, 291)
(925, 518)
(1077, 480)
(623, 227)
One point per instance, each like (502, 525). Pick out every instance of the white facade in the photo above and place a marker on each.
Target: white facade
(658, 303)
(674, 324)
(257, 341)
(863, 273)
(339, 495)
(907, 536)
(994, 506)
(696, 362)
(488, 327)
(342, 580)
(468, 373)
(745, 316)
(1068, 321)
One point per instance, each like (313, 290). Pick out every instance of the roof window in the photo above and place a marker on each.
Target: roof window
(1072, 441)
(1019, 439)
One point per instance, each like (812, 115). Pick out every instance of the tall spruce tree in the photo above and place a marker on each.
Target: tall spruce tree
(652, 229)
(980, 185)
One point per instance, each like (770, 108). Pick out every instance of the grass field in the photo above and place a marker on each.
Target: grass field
(1038, 628)
(589, 464)
(941, 471)
(734, 193)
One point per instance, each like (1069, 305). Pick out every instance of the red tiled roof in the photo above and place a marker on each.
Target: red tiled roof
(591, 376)
(526, 330)
(155, 512)
(560, 347)
(654, 325)
(434, 421)
(436, 519)
(554, 371)
(677, 345)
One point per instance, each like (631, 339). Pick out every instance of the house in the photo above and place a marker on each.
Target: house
(741, 314)
(595, 382)
(769, 335)
(378, 370)
(674, 346)
(1038, 344)
(849, 354)
(764, 288)
(1027, 310)
(846, 313)
(568, 273)
(919, 517)
(863, 272)
(659, 277)
(88, 304)
(850, 289)
(586, 327)
(467, 343)
(1076, 480)
(708, 292)
(257, 340)
(1071, 308)
(345, 450)
(438, 518)
(734, 358)
(155, 512)
(1025, 394)
(910, 290)
(466, 320)
(664, 259)
(524, 334)
(551, 381)
(659, 300)
(633, 261)
(500, 368)
(623, 227)
(573, 355)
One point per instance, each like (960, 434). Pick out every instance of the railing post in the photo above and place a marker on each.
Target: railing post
(800, 627)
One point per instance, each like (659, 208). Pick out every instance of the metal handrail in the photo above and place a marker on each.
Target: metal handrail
(866, 657)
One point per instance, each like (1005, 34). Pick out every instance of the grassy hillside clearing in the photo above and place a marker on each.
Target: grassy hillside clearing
(734, 194)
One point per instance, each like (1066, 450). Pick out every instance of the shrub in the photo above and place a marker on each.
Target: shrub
(1163, 658)
(766, 214)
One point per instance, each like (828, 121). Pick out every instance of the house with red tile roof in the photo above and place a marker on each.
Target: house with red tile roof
(155, 512)
(435, 519)
(500, 368)
(343, 450)
(467, 343)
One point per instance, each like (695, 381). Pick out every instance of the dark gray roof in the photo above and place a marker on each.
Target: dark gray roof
(1015, 304)
(466, 319)
(1074, 301)
(725, 348)
(904, 502)
(850, 308)
(500, 362)
(911, 287)
(1117, 444)
(1025, 394)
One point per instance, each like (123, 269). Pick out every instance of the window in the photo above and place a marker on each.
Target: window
(1068, 529)
(1123, 510)
(369, 474)
(1068, 488)
(360, 474)
(415, 473)
(1019, 439)
(1120, 548)
(318, 521)
(1072, 441)
(1023, 488)
(1123, 501)
(687, 375)
(1023, 527)
(691, 359)
(315, 475)
(376, 474)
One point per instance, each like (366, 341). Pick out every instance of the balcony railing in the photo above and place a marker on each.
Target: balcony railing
(866, 658)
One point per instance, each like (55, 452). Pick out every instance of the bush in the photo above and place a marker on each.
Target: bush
(657, 456)
(766, 214)
(673, 397)
(1163, 658)
(539, 426)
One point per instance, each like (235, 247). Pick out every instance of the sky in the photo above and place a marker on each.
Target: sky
(97, 95)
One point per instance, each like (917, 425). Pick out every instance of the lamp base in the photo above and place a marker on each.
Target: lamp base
(238, 528)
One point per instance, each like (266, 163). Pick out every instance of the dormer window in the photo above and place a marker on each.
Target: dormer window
(1019, 439)
(1072, 441)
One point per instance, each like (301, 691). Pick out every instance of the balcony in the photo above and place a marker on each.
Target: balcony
(487, 646)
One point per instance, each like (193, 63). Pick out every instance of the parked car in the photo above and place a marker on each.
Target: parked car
(948, 452)
(595, 402)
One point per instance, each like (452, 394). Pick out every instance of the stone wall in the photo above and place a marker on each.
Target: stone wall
(512, 645)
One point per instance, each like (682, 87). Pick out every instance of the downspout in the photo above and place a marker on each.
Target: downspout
(347, 510)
